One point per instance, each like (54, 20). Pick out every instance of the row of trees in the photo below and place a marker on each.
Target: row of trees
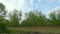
(37, 19)
(32, 19)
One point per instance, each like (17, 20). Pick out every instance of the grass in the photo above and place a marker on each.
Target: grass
(36, 29)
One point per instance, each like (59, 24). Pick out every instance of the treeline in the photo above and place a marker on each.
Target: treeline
(37, 19)
(32, 19)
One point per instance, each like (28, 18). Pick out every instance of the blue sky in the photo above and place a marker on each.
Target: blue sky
(45, 6)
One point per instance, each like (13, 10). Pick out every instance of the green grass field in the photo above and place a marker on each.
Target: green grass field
(49, 30)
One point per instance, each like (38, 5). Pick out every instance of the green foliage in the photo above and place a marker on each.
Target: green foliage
(3, 24)
(15, 17)
(37, 19)
(2, 10)
(2, 7)
(3, 27)
(34, 19)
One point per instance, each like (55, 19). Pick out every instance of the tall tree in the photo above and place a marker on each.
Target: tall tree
(14, 18)
(53, 18)
(20, 16)
(58, 17)
(3, 25)
(34, 18)
(2, 12)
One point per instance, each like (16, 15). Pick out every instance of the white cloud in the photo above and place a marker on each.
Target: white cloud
(9, 4)
(13, 4)
(55, 9)
(21, 3)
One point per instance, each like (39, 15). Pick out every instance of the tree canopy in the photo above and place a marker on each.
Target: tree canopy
(33, 18)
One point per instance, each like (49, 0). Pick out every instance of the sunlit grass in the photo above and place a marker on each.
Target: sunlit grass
(22, 29)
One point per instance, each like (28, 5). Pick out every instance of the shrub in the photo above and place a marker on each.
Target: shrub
(4, 27)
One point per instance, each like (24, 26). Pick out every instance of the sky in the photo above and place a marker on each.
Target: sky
(45, 6)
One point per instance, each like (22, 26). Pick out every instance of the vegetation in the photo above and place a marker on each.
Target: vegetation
(32, 19)
(37, 19)
(3, 24)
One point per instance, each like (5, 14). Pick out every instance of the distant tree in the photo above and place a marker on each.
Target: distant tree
(15, 17)
(34, 19)
(3, 25)
(2, 13)
(2, 10)
(58, 17)
(53, 19)
(20, 16)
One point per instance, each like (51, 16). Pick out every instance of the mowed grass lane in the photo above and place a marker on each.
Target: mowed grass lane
(37, 29)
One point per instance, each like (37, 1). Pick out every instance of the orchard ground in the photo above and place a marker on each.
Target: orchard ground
(36, 29)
